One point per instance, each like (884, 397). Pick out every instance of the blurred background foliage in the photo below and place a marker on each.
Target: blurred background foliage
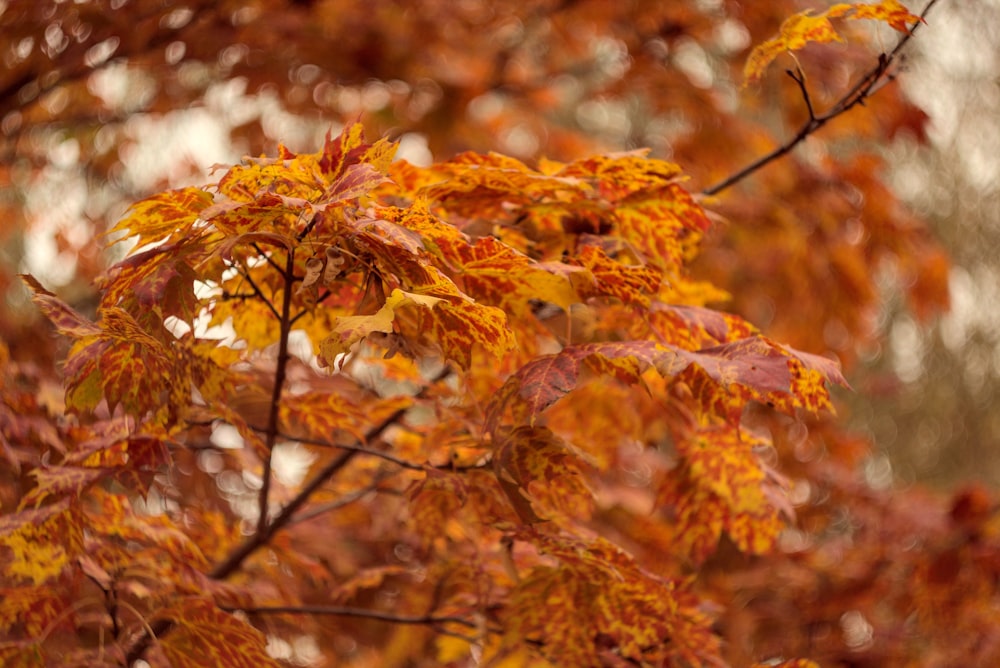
(939, 421)
(104, 102)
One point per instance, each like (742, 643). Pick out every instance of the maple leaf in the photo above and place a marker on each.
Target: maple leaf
(33, 607)
(492, 272)
(67, 320)
(434, 502)
(548, 378)
(348, 330)
(205, 635)
(696, 327)
(800, 29)
(323, 415)
(532, 464)
(598, 595)
(724, 378)
(606, 277)
(719, 486)
(172, 213)
(42, 542)
(890, 11)
(122, 364)
(160, 280)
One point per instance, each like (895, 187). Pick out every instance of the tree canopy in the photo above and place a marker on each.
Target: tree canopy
(560, 395)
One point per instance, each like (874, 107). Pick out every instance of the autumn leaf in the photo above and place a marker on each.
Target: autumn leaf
(41, 542)
(493, 273)
(605, 277)
(599, 595)
(66, 319)
(203, 634)
(547, 379)
(434, 503)
(351, 329)
(803, 28)
(720, 487)
(724, 378)
(168, 214)
(890, 11)
(325, 416)
(33, 607)
(123, 364)
(533, 465)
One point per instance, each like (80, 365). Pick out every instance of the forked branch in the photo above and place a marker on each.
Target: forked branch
(865, 87)
(261, 538)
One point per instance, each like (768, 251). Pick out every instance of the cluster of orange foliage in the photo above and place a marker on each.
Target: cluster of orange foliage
(340, 409)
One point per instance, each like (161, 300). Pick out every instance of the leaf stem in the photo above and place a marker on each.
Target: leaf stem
(857, 95)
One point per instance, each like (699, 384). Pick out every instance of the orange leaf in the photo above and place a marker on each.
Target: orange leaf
(66, 319)
(42, 542)
(534, 464)
(204, 635)
(548, 378)
(889, 11)
(719, 486)
(598, 598)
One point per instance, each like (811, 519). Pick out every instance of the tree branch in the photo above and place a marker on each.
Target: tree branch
(271, 435)
(259, 293)
(347, 499)
(352, 612)
(857, 95)
(253, 543)
(361, 449)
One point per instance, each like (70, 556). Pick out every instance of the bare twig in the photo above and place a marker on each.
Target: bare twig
(345, 500)
(267, 257)
(259, 293)
(361, 449)
(799, 77)
(353, 612)
(856, 96)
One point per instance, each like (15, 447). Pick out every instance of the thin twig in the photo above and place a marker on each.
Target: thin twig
(352, 612)
(345, 500)
(267, 257)
(361, 450)
(857, 95)
(257, 291)
(799, 77)
(253, 543)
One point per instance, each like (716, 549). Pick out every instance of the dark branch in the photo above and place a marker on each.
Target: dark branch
(353, 612)
(361, 449)
(856, 96)
(253, 543)
(267, 258)
(257, 291)
(271, 435)
(799, 77)
(345, 500)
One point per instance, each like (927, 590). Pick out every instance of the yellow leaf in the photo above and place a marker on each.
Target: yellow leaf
(348, 330)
